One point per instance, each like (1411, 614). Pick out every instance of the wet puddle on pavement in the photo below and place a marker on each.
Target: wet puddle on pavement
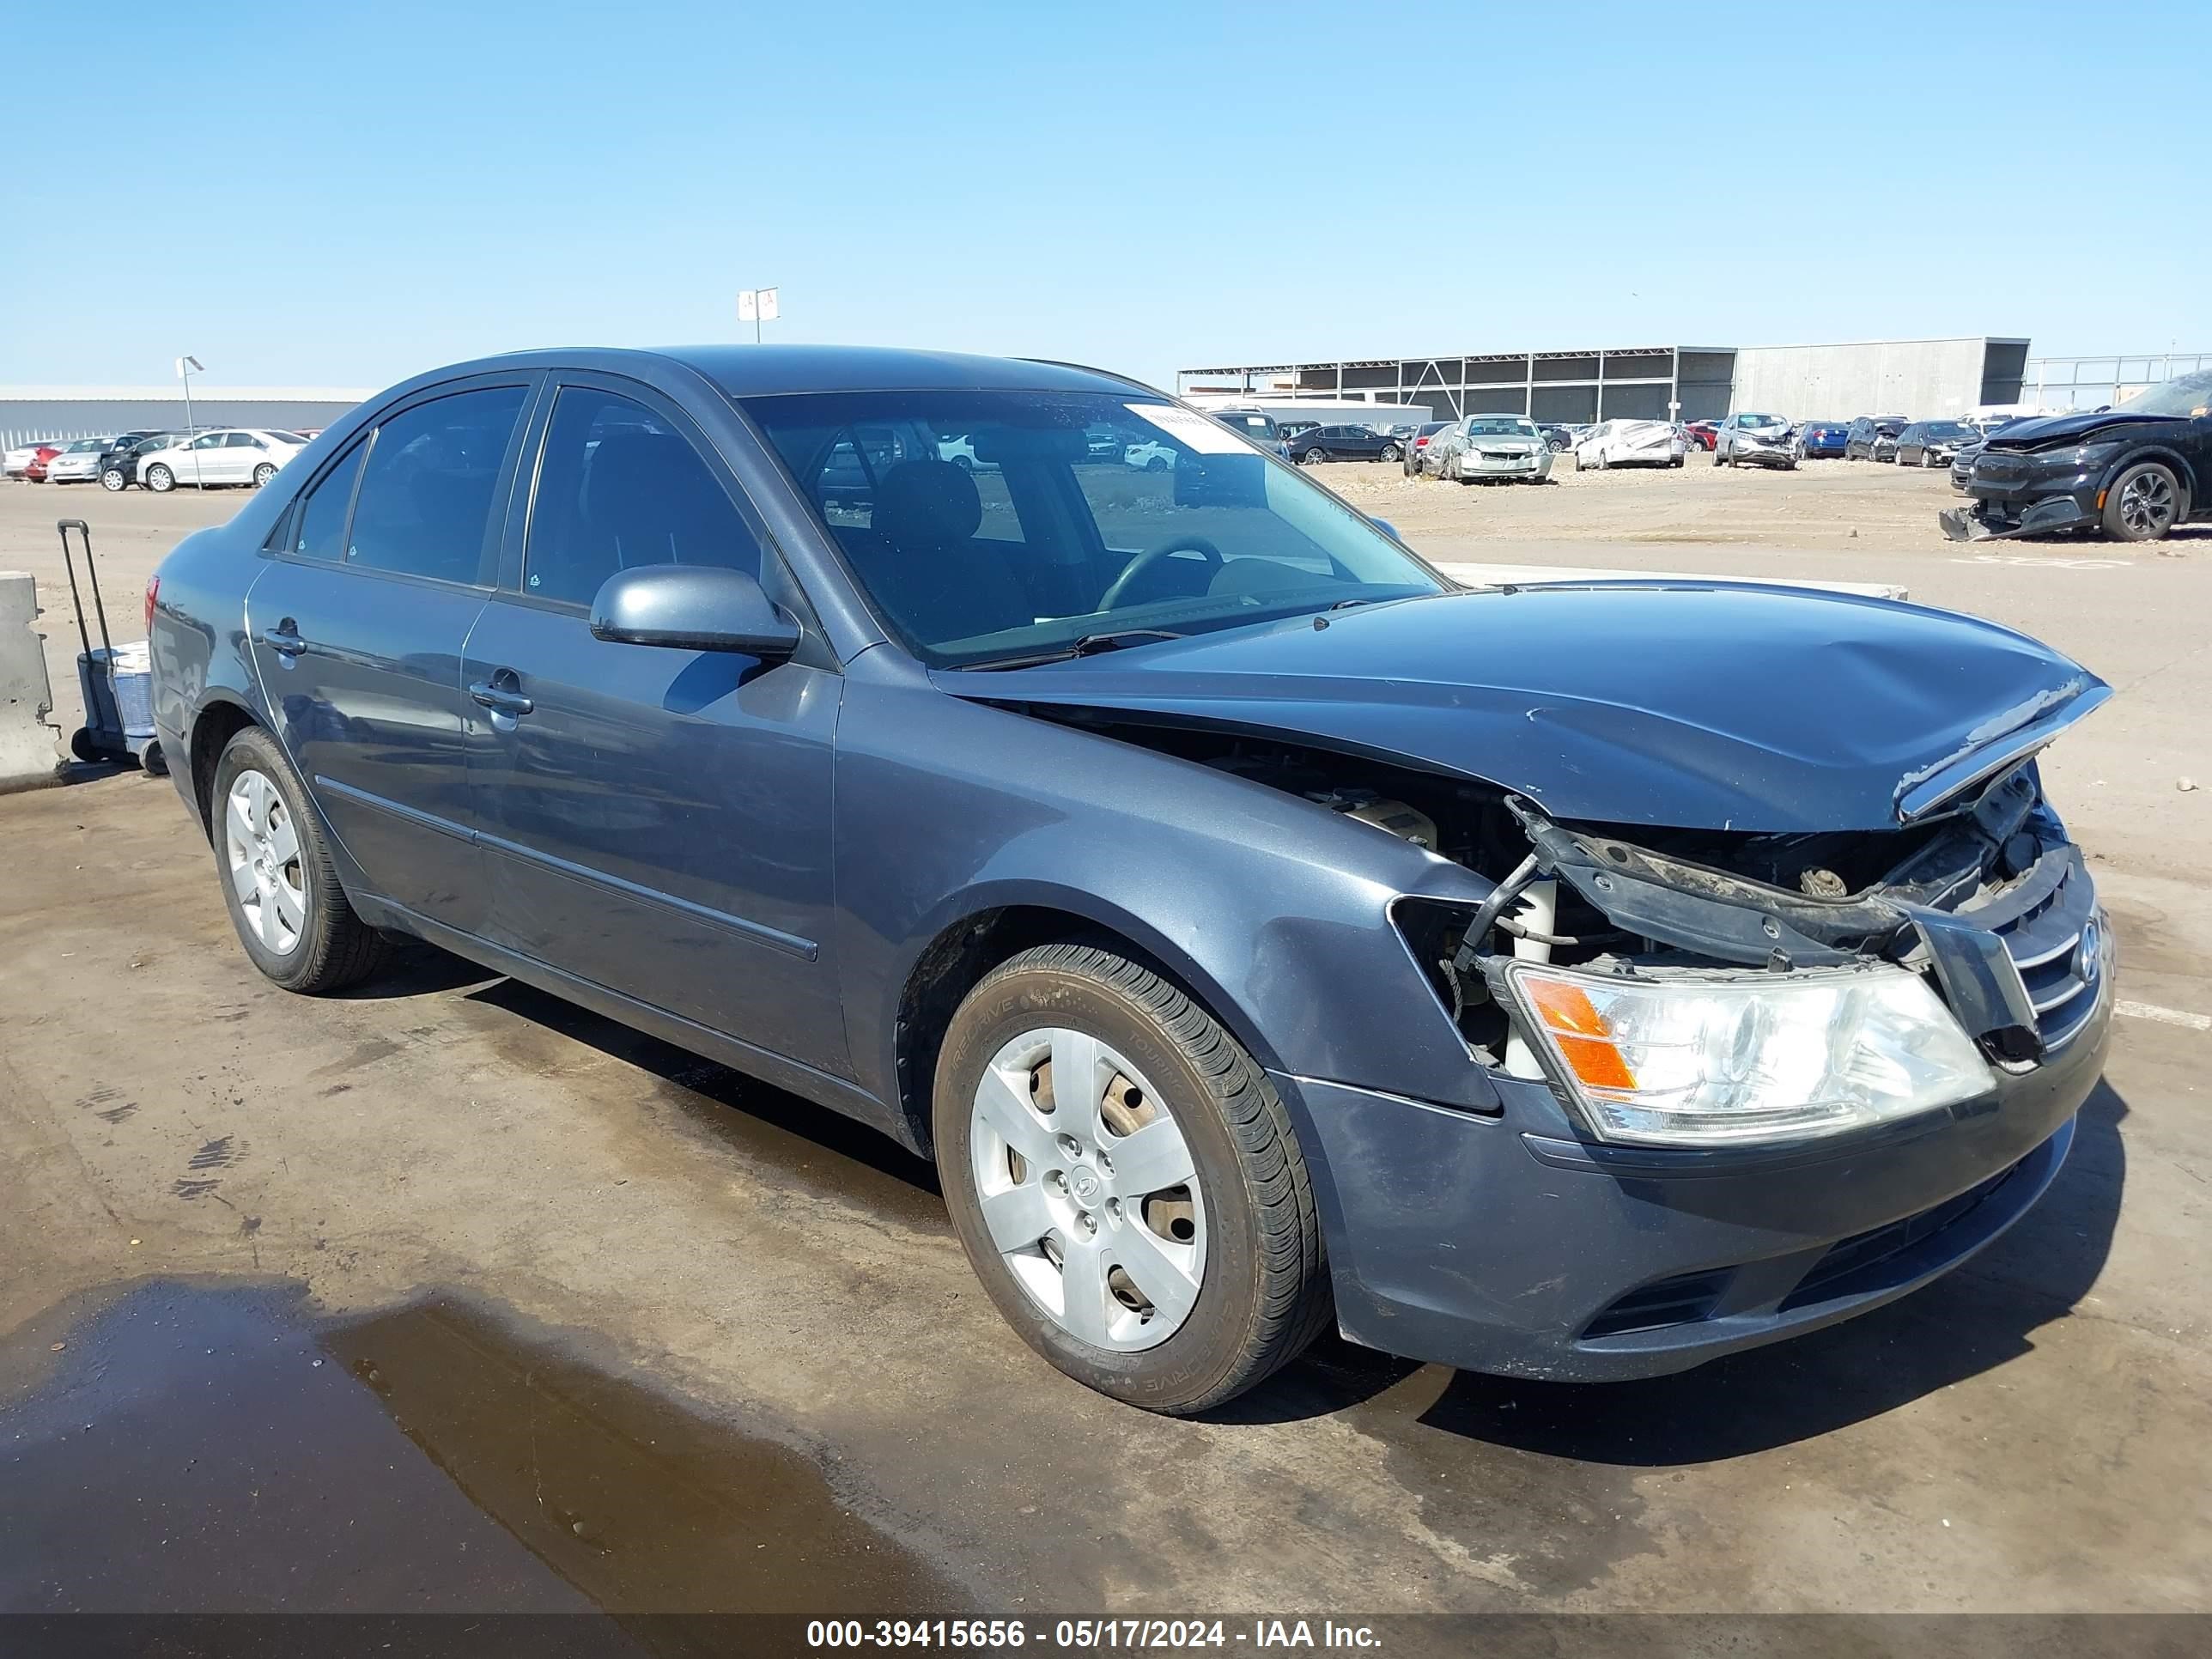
(193, 1449)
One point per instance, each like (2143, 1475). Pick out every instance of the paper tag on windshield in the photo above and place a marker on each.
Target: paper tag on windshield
(1188, 427)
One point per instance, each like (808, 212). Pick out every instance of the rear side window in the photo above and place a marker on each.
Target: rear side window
(322, 520)
(619, 487)
(427, 487)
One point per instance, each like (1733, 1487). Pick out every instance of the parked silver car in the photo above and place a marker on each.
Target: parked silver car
(1489, 447)
(1760, 439)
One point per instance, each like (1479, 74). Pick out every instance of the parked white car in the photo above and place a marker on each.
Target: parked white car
(79, 461)
(1489, 447)
(1631, 443)
(16, 462)
(1151, 456)
(228, 455)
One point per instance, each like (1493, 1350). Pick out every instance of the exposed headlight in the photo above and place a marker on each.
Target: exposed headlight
(1704, 1062)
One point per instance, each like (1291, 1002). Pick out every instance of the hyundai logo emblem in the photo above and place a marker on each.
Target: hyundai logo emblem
(2088, 954)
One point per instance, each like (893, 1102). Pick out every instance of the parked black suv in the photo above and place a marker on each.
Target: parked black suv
(1874, 438)
(1347, 443)
(2132, 472)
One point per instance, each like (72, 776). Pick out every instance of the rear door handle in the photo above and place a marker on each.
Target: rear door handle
(500, 699)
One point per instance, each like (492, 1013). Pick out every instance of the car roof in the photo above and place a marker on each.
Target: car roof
(754, 371)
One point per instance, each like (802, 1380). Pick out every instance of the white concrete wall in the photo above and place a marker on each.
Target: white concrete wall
(1923, 380)
(27, 755)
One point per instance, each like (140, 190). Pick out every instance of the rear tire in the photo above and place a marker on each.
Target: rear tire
(263, 474)
(1262, 1290)
(1314, 457)
(330, 947)
(2144, 503)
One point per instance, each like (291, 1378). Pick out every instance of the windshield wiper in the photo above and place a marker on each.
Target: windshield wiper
(1089, 645)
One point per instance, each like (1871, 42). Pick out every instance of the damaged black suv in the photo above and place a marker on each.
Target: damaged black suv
(2132, 472)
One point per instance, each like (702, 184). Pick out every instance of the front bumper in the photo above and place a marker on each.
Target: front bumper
(1514, 1244)
(2026, 495)
(1763, 456)
(1473, 464)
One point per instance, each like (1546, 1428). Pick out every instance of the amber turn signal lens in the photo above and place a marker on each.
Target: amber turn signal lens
(1583, 1035)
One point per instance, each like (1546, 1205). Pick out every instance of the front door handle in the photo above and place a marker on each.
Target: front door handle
(284, 638)
(502, 699)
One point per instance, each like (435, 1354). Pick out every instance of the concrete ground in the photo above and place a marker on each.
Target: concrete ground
(607, 1325)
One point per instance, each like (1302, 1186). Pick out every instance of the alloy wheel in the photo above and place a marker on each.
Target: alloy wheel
(2147, 504)
(112, 478)
(1088, 1190)
(261, 845)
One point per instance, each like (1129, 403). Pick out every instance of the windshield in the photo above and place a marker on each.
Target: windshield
(1945, 430)
(1760, 422)
(2184, 396)
(1500, 427)
(1047, 538)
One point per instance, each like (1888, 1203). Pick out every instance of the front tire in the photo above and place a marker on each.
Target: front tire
(278, 881)
(1389, 452)
(113, 479)
(1152, 1232)
(161, 480)
(2143, 504)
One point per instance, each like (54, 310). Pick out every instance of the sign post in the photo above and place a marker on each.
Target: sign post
(757, 306)
(186, 365)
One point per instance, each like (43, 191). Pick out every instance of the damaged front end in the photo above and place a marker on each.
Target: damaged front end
(1883, 971)
(1990, 521)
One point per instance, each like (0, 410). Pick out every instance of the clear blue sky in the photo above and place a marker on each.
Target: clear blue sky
(326, 195)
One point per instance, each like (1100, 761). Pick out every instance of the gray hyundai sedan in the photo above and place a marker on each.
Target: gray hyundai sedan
(1260, 930)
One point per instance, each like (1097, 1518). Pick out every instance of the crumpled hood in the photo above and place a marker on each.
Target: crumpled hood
(2047, 429)
(1701, 706)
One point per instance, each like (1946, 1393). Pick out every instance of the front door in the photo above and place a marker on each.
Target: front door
(358, 627)
(656, 821)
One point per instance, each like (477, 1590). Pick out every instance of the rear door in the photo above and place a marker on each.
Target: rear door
(357, 627)
(656, 821)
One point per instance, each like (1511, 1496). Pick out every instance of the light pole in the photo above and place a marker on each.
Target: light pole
(186, 365)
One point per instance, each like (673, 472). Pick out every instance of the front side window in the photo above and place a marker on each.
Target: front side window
(1050, 535)
(619, 487)
(427, 487)
(321, 531)
(211, 441)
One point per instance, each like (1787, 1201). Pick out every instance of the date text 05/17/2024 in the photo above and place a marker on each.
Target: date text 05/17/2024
(1087, 1635)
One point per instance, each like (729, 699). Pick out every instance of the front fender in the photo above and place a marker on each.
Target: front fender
(2162, 453)
(1273, 911)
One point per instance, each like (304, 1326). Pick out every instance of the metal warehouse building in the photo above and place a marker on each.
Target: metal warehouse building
(1690, 383)
(29, 413)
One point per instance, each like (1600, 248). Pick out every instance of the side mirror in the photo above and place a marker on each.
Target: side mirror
(692, 607)
(1386, 527)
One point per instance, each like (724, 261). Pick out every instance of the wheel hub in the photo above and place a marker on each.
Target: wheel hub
(1087, 1189)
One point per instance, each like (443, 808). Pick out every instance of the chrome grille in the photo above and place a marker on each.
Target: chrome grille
(2049, 923)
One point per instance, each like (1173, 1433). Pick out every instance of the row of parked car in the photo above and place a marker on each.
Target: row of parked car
(159, 461)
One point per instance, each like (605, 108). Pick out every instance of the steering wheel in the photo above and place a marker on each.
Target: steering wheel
(1150, 557)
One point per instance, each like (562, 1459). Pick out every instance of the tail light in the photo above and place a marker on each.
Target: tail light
(153, 598)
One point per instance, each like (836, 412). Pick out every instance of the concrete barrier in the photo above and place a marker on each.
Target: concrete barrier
(1533, 575)
(28, 755)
